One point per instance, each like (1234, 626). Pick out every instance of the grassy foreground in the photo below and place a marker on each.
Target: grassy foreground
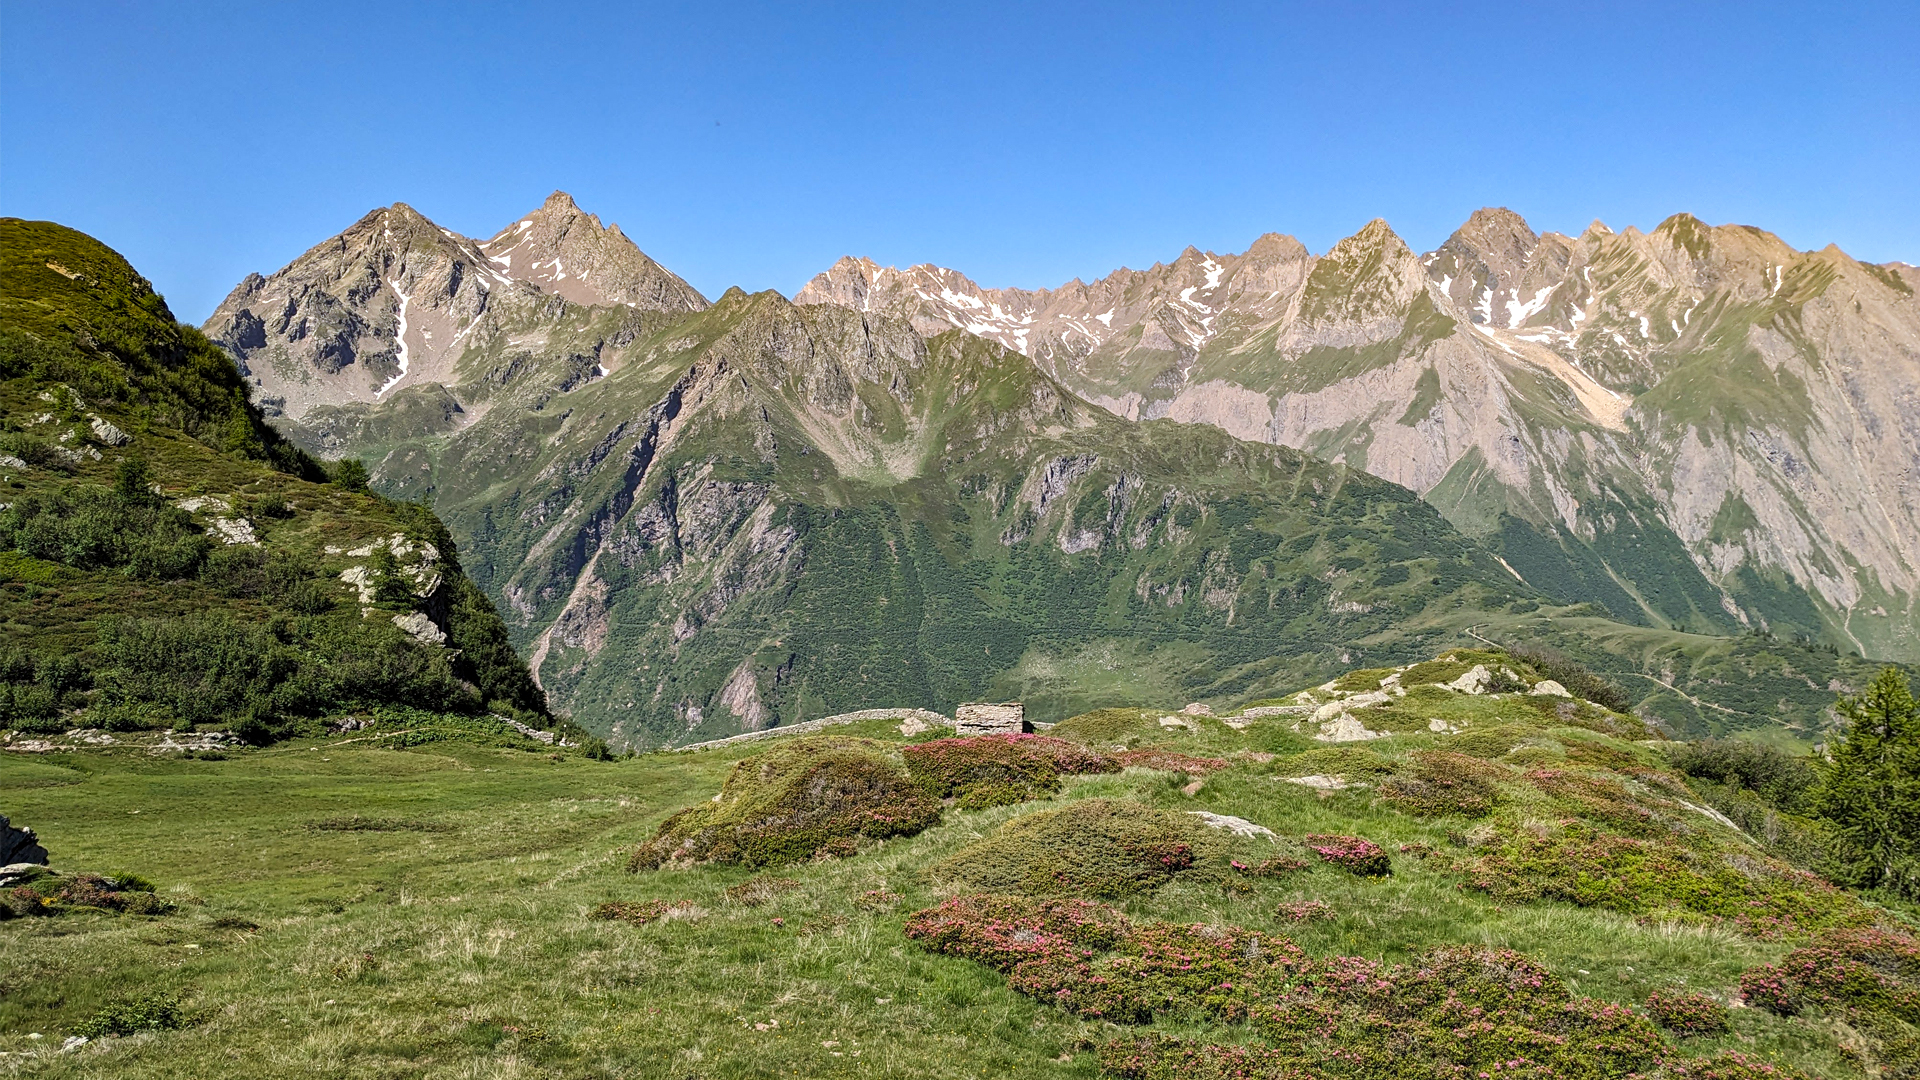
(355, 912)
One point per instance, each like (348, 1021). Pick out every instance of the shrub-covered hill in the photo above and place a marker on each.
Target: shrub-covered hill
(1456, 867)
(168, 561)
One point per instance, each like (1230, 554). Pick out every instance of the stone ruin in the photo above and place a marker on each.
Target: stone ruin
(980, 718)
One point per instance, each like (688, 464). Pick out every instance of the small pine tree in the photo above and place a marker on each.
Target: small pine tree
(133, 481)
(351, 474)
(1870, 787)
(391, 587)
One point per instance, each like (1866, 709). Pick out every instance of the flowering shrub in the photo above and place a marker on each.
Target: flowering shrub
(1443, 783)
(1353, 854)
(51, 893)
(1865, 971)
(1454, 1012)
(816, 797)
(1687, 1012)
(1599, 799)
(1306, 911)
(1760, 897)
(1731, 1065)
(1090, 847)
(1169, 761)
(994, 770)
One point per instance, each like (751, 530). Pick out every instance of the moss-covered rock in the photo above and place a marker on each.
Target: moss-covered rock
(1093, 847)
(820, 796)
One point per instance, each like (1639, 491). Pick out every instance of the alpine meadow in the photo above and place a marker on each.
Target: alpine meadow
(492, 657)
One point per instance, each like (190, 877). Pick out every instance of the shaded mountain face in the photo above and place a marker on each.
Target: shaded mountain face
(394, 300)
(1696, 427)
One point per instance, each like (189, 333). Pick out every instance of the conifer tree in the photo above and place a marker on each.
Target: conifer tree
(1870, 786)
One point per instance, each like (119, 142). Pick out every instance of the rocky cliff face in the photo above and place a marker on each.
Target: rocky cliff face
(395, 301)
(1698, 427)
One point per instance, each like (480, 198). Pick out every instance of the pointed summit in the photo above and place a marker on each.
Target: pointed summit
(564, 250)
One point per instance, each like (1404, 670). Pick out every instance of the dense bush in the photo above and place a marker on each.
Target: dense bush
(153, 1012)
(819, 796)
(1868, 977)
(212, 668)
(95, 528)
(1783, 779)
(1573, 675)
(1356, 855)
(1455, 1011)
(995, 770)
(1091, 847)
(1442, 783)
(1666, 880)
(1687, 1012)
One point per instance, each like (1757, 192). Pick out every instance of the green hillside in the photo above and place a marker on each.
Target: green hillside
(168, 561)
(1512, 882)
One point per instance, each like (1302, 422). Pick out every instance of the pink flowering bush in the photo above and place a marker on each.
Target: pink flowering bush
(1306, 911)
(1865, 970)
(1455, 1012)
(1687, 1012)
(1353, 854)
(995, 770)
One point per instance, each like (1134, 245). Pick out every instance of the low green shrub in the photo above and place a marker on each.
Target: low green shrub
(637, 912)
(1688, 1012)
(1573, 675)
(1354, 854)
(153, 1012)
(1664, 880)
(1601, 799)
(1454, 1011)
(1091, 847)
(820, 796)
(1170, 761)
(997, 770)
(1346, 762)
(1440, 783)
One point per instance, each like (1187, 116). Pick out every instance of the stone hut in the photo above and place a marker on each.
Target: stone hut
(980, 718)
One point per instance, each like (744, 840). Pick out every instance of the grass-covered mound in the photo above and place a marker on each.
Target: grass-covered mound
(1092, 847)
(824, 795)
(1452, 1011)
(47, 893)
(995, 770)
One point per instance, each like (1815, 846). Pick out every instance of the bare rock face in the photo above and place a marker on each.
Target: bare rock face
(396, 301)
(19, 845)
(564, 251)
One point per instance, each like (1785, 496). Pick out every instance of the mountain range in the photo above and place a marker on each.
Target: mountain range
(1212, 478)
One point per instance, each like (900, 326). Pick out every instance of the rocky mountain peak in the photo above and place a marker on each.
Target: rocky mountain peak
(564, 250)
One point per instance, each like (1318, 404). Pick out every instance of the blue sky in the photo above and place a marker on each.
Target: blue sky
(1022, 144)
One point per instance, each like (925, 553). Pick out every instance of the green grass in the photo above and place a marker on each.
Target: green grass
(458, 943)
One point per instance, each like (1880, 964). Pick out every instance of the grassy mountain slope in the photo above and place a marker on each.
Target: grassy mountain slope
(168, 560)
(767, 513)
(1546, 866)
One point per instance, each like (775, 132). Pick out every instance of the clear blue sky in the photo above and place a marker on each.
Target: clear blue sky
(1023, 144)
